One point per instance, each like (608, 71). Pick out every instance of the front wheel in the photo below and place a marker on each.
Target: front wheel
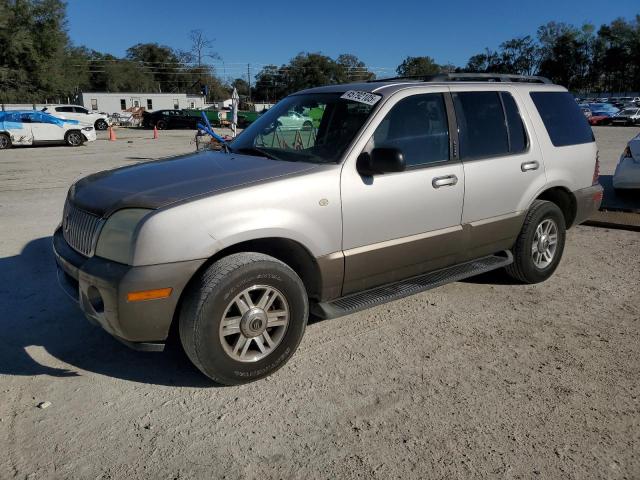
(243, 318)
(538, 249)
(161, 125)
(101, 124)
(74, 138)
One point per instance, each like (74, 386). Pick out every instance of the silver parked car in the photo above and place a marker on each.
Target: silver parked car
(405, 185)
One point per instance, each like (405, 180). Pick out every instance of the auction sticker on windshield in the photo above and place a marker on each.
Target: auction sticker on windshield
(362, 97)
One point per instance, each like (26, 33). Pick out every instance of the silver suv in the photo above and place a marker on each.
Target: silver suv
(398, 186)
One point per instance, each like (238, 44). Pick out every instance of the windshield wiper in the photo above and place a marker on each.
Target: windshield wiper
(255, 151)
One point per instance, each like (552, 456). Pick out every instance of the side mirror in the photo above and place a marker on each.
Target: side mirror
(381, 160)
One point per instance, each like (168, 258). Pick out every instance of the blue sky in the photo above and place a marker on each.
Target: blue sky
(381, 33)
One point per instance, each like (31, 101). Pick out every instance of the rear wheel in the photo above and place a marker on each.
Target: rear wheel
(538, 249)
(5, 141)
(243, 318)
(307, 125)
(101, 124)
(74, 138)
(161, 124)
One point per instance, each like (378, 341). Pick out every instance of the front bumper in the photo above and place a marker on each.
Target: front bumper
(588, 202)
(100, 288)
(89, 136)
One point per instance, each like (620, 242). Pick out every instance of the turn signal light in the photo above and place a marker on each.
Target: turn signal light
(149, 294)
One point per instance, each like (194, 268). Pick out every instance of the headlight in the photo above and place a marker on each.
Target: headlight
(116, 238)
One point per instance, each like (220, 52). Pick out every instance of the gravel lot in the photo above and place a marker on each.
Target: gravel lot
(479, 379)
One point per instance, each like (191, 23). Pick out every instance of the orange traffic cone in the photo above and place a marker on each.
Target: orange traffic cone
(112, 134)
(155, 133)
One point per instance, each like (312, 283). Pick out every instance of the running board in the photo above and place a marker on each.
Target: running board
(394, 291)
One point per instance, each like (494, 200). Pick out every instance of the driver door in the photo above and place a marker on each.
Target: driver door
(397, 225)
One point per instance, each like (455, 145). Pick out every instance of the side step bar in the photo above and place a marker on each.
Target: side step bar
(376, 296)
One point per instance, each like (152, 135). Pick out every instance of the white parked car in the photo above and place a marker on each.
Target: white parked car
(30, 127)
(627, 175)
(294, 121)
(100, 121)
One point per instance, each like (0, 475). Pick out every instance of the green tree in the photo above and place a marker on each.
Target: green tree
(33, 47)
(519, 55)
(417, 66)
(352, 69)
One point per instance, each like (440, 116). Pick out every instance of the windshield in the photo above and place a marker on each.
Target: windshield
(314, 127)
(629, 111)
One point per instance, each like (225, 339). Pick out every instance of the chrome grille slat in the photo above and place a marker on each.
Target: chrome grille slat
(79, 229)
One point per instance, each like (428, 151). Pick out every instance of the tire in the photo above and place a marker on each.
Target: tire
(529, 265)
(101, 124)
(215, 298)
(161, 125)
(307, 126)
(5, 141)
(74, 138)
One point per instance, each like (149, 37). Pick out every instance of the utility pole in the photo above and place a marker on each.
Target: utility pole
(249, 79)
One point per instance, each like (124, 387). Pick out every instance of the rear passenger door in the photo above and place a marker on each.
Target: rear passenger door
(43, 128)
(503, 168)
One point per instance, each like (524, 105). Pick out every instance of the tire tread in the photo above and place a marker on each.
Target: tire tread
(517, 269)
(204, 284)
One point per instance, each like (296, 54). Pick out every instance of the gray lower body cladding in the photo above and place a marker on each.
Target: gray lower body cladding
(83, 279)
(588, 202)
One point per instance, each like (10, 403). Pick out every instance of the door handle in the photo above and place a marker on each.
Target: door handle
(526, 166)
(450, 180)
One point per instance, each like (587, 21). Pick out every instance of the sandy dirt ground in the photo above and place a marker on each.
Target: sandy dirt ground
(476, 379)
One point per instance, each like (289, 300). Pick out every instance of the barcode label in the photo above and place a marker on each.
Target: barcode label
(362, 97)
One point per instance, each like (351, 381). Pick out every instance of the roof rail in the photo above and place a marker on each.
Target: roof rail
(470, 77)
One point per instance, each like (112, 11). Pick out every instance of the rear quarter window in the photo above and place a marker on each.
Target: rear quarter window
(563, 119)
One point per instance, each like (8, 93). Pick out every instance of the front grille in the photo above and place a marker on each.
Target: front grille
(79, 229)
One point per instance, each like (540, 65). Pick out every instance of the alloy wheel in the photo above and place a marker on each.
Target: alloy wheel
(254, 323)
(545, 243)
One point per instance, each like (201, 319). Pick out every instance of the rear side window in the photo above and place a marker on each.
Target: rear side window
(563, 119)
(481, 124)
(518, 142)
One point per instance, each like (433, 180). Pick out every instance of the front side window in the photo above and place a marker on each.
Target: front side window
(418, 127)
(314, 127)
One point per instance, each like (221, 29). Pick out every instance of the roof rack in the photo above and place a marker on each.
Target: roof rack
(470, 77)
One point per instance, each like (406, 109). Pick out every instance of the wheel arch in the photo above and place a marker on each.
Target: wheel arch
(291, 252)
(564, 199)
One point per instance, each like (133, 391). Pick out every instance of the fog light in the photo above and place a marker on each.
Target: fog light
(149, 294)
(95, 299)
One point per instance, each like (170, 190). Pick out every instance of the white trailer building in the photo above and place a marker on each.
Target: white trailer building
(117, 102)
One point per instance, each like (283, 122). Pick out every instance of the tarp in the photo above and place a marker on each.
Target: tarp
(16, 118)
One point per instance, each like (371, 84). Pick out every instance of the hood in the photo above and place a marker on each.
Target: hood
(159, 183)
